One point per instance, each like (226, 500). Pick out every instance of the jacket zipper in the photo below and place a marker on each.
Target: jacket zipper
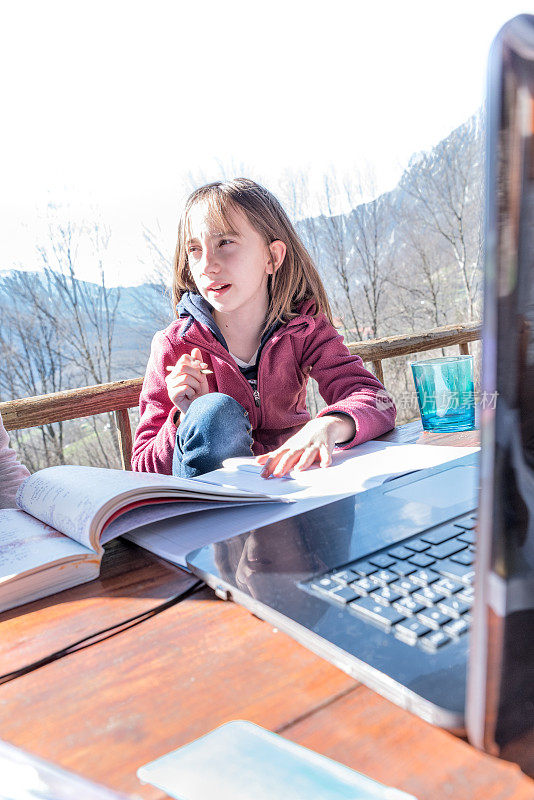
(255, 392)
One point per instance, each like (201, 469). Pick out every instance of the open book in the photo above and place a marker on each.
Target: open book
(66, 514)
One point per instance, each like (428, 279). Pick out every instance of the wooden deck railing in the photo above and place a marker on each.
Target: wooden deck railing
(119, 396)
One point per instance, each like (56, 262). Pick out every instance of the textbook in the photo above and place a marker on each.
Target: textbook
(66, 514)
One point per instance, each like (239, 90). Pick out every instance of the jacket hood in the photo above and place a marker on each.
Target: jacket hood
(197, 308)
(194, 308)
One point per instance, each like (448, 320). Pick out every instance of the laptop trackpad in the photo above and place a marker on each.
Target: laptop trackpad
(456, 485)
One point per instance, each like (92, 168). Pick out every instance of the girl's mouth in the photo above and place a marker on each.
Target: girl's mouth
(218, 289)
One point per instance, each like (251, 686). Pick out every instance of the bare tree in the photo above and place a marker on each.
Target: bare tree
(86, 311)
(445, 186)
(32, 358)
(371, 257)
(58, 332)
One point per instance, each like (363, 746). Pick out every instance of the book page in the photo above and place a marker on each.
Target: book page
(148, 514)
(77, 500)
(27, 544)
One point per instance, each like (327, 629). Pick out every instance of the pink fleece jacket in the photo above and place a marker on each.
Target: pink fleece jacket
(12, 472)
(302, 347)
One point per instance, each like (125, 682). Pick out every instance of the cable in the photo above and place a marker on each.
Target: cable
(99, 636)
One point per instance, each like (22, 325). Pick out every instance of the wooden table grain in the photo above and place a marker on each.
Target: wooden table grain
(104, 711)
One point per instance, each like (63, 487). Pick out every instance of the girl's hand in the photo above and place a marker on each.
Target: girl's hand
(187, 380)
(314, 442)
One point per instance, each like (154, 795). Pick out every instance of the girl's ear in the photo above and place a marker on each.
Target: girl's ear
(278, 253)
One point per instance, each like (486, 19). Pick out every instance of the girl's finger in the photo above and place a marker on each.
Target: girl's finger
(326, 456)
(287, 463)
(307, 458)
(262, 459)
(266, 471)
(186, 381)
(272, 461)
(196, 355)
(184, 369)
(183, 391)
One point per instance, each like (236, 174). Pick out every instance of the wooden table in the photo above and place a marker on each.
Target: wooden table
(103, 711)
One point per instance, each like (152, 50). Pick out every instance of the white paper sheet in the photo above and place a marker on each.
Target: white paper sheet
(353, 471)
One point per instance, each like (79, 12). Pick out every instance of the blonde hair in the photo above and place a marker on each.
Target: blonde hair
(296, 279)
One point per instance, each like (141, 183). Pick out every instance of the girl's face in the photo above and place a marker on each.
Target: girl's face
(230, 267)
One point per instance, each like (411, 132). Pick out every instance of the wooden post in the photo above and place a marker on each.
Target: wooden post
(464, 348)
(379, 372)
(124, 430)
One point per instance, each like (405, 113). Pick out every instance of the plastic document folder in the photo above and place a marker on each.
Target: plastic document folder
(241, 761)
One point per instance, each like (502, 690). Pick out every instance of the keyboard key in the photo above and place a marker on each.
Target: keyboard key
(369, 610)
(468, 523)
(465, 557)
(382, 560)
(467, 594)
(448, 586)
(446, 549)
(440, 535)
(363, 586)
(363, 568)
(428, 595)
(411, 629)
(417, 545)
(408, 606)
(433, 617)
(400, 552)
(423, 577)
(403, 568)
(421, 560)
(344, 576)
(386, 595)
(433, 641)
(468, 537)
(343, 594)
(456, 627)
(383, 577)
(467, 617)
(454, 606)
(405, 586)
(460, 572)
(324, 584)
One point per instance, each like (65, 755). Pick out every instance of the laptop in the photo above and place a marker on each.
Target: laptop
(423, 588)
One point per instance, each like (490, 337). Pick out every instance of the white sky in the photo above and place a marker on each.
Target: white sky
(107, 106)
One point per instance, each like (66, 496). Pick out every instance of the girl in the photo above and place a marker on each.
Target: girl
(228, 377)
(12, 472)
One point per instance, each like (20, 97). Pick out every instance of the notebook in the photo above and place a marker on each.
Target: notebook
(240, 761)
(333, 577)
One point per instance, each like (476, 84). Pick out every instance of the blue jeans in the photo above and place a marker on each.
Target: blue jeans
(214, 427)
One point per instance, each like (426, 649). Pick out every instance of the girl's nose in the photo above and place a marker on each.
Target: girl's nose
(210, 260)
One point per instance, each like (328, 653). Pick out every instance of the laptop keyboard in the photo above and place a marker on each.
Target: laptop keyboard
(420, 591)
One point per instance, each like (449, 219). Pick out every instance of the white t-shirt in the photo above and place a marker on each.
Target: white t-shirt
(241, 363)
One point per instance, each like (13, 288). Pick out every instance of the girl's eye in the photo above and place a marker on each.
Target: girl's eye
(225, 241)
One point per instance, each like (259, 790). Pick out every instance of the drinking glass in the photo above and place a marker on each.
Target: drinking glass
(445, 393)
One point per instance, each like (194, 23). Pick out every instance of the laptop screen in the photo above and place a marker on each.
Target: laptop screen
(500, 704)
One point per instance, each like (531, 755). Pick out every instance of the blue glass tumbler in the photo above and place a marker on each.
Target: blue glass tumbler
(445, 393)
